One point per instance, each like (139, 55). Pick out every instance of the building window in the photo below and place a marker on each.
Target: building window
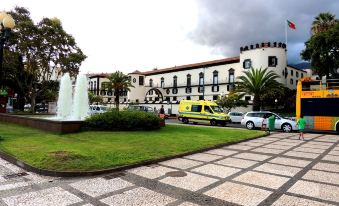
(247, 98)
(291, 81)
(134, 80)
(228, 87)
(91, 85)
(188, 90)
(151, 82)
(162, 84)
(175, 90)
(215, 97)
(167, 99)
(141, 80)
(272, 61)
(95, 85)
(215, 78)
(188, 98)
(297, 74)
(188, 80)
(302, 75)
(201, 97)
(231, 75)
(168, 91)
(175, 81)
(291, 72)
(296, 82)
(247, 64)
(201, 79)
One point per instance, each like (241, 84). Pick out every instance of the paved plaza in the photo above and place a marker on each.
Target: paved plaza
(276, 170)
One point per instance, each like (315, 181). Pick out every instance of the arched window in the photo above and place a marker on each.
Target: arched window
(231, 75)
(151, 82)
(188, 80)
(162, 82)
(201, 79)
(175, 81)
(215, 78)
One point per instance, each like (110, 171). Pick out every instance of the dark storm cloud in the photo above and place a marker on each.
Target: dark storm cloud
(226, 25)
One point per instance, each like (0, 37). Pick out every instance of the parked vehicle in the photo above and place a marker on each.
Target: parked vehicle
(97, 109)
(140, 108)
(202, 111)
(254, 120)
(235, 116)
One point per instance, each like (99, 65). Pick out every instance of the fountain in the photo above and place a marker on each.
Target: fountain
(75, 108)
(70, 111)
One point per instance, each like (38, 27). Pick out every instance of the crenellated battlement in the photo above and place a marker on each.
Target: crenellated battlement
(263, 45)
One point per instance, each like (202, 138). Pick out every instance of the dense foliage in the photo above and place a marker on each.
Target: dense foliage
(124, 120)
(37, 54)
(322, 49)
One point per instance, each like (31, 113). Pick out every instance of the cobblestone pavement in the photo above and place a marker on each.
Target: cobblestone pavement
(274, 170)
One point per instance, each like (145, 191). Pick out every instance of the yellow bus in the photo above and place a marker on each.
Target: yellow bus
(318, 102)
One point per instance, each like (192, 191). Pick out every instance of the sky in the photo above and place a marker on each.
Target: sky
(129, 35)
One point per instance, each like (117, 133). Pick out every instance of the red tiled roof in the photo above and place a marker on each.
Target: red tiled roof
(192, 66)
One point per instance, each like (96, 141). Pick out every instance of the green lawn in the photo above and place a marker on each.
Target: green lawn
(87, 151)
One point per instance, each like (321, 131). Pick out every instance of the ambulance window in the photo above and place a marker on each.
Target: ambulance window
(196, 108)
(207, 109)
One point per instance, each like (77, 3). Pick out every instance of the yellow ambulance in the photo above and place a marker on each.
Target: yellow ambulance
(202, 111)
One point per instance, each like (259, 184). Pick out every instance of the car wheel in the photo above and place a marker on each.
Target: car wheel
(250, 125)
(286, 127)
(185, 120)
(213, 122)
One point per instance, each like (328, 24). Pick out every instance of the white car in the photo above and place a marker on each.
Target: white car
(95, 109)
(253, 120)
(235, 116)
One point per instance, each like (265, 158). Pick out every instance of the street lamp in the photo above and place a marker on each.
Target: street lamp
(6, 25)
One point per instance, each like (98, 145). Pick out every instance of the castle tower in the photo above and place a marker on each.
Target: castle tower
(265, 55)
(137, 93)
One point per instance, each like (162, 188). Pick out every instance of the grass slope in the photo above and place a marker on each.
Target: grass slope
(101, 150)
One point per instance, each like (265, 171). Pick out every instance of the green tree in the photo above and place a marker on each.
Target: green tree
(46, 50)
(118, 83)
(322, 49)
(323, 22)
(94, 98)
(257, 82)
(232, 100)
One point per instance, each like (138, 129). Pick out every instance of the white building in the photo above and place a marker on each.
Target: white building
(205, 80)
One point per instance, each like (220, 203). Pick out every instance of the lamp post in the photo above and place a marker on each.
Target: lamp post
(6, 25)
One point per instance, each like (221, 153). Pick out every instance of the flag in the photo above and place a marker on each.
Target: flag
(291, 25)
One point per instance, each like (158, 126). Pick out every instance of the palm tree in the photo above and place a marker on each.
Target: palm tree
(118, 82)
(257, 82)
(323, 22)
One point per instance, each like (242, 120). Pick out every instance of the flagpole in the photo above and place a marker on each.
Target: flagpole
(286, 33)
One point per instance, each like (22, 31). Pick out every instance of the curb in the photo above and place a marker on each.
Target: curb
(44, 172)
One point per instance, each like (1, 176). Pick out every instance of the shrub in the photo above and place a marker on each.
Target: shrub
(123, 120)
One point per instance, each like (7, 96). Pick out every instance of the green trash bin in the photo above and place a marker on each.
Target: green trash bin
(271, 122)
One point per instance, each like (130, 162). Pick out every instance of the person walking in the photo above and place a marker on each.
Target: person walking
(162, 112)
(301, 125)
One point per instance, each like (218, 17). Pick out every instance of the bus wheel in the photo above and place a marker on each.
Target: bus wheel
(213, 122)
(286, 127)
(185, 120)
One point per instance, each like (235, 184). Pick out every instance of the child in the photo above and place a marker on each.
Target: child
(301, 125)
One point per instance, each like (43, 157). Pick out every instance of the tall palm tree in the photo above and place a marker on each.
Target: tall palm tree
(118, 82)
(257, 82)
(323, 22)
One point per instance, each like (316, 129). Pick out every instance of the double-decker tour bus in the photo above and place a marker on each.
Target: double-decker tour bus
(318, 102)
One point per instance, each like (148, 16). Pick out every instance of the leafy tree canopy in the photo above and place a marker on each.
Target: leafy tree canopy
(232, 100)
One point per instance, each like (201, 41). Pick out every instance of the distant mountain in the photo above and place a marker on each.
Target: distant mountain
(302, 65)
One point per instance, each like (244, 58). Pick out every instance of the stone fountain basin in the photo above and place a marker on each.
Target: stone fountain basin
(50, 125)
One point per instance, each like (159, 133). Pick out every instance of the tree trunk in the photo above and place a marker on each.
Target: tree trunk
(33, 97)
(117, 101)
(256, 103)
